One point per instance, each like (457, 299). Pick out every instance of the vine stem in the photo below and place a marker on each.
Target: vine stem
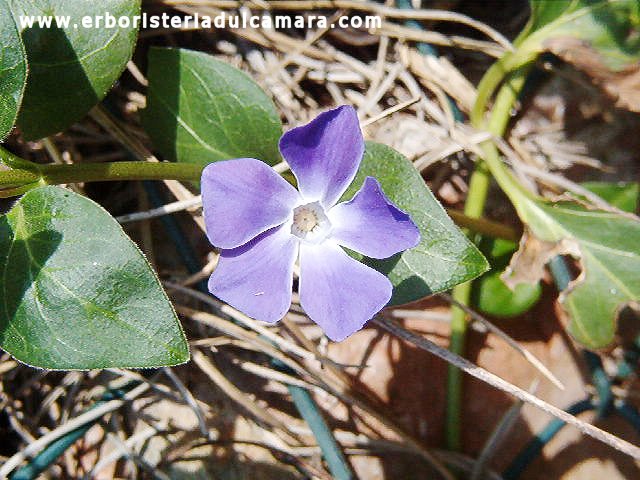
(17, 182)
(116, 171)
(479, 184)
(16, 178)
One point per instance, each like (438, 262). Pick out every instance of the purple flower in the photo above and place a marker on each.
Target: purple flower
(263, 225)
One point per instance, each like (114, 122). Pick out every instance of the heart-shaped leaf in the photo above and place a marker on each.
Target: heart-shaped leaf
(72, 66)
(202, 110)
(75, 291)
(608, 247)
(13, 70)
(444, 257)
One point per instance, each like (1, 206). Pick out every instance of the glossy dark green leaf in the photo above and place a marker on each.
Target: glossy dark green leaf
(13, 70)
(71, 68)
(202, 110)
(491, 295)
(75, 291)
(624, 196)
(608, 248)
(444, 257)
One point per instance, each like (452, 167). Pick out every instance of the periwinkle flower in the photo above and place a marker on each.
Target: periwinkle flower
(262, 225)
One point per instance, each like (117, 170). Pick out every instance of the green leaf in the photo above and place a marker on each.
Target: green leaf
(608, 27)
(444, 257)
(71, 68)
(202, 110)
(491, 295)
(13, 70)
(624, 196)
(599, 37)
(75, 291)
(608, 247)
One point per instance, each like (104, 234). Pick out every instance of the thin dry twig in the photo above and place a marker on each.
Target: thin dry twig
(498, 436)
(497, 382)
(264, 416)
(77, 422)
(381, 10)
(173, 207)
(532, 359)
(189, 400)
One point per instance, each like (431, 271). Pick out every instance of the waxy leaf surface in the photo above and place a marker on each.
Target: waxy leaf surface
(71, 67)
(76, 292)
(444, 257)
(13, 70)
(608, 248)
(202, 110)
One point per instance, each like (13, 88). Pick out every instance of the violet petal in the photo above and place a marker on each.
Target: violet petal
(325, 154)
(337, 292)
(257, 278)
(371, 224)
(242, 198)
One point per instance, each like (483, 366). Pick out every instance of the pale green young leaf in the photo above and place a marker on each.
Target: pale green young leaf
(607, 28)
(607, 246)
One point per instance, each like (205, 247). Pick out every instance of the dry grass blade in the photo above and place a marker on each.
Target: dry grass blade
(271, 374)
(123, 450)
(173, 207)
(407, 33)
(331, 384)
(497, 437)
(189, 400)
(135, 147)
(240, 333)
(225, 309)
(101, 410)
(7, 366)
(389, 111)
(376, 8)
(531, 358)
(262, 415)
(484, 226)
(497, 382)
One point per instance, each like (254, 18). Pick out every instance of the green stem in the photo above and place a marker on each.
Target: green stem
(16, 178)
(474, 207)
(116, 171)
(12, 161)
(23, 175)
(483, 226)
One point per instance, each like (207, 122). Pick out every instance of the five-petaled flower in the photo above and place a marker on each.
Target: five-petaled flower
(263, 225)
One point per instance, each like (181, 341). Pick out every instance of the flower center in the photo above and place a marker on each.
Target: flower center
(310, 222)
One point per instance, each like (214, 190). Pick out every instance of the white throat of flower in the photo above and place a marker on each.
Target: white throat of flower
(310, 223)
